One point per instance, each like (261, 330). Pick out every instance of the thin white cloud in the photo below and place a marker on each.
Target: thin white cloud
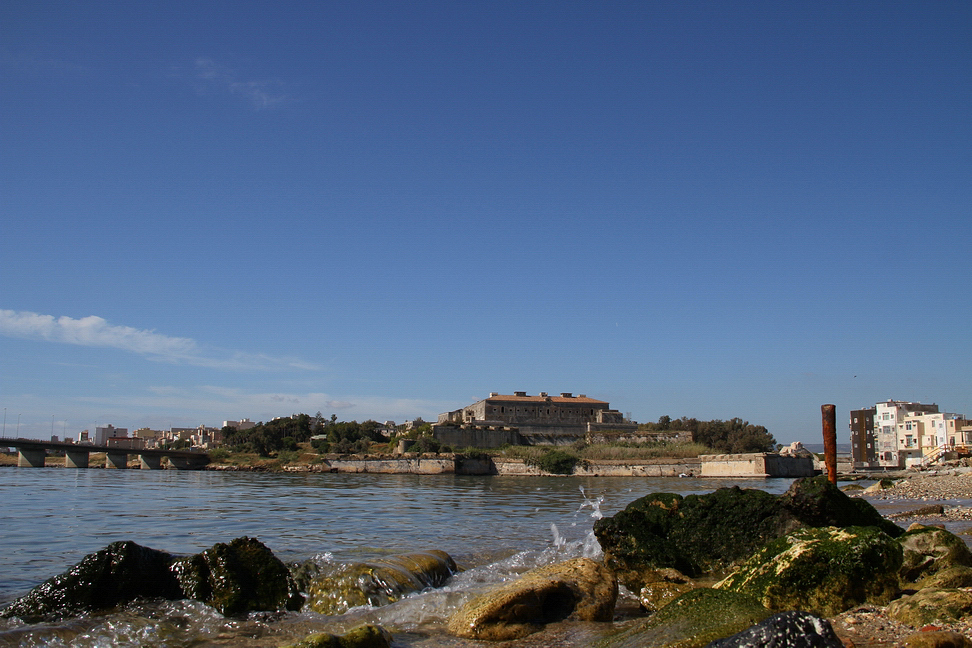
(94, 331)
(259, 94)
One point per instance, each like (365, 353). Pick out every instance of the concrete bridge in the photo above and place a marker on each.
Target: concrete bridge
(32, 453)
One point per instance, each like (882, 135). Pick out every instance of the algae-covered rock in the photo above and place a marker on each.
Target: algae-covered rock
(378, 582)
(238, 577)
(367, 636)
(928, 550)
(121, 572)
(662, 587)
(948, 578)
(693, 534)
(824, 571)
(697, 534)
(927, 605)
(580, 589)
(692, 620)
(785, 630)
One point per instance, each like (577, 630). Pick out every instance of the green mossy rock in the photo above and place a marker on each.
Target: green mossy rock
(692, 620)
(824, 571)
(948, 578)
(698, 534)
(928, 605)
(693, 534)
(238, 577)
(375, 583)
(662, 587)
(367, 636)
(579, 589)
(928, 550)
(121, 572)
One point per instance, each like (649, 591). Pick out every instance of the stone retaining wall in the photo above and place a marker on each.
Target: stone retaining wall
(448, 464)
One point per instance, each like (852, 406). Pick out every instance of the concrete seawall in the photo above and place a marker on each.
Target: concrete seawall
(756, 464)
(447, 464)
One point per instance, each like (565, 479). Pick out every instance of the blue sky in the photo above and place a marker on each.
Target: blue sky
(216, 210)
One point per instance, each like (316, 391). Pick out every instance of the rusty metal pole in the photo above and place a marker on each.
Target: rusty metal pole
(829, 415)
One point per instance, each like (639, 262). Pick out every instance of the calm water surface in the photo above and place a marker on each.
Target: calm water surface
(53, 517)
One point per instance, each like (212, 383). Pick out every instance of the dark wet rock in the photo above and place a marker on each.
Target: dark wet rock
(815, 502)
(238, 577)
(927, 605)
(928, 550)
(367, 636)
(937, 639)
(932, 509)
(825, 571)
(578, 589)
(121, 572)
(785, 630)
(697, 534)
(692, 620)
(334, 589)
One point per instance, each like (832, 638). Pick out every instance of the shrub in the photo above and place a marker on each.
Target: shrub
(556, 462)
(425, 444)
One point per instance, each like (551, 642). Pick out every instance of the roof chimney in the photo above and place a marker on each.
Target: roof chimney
(516, 393)
(566, 394)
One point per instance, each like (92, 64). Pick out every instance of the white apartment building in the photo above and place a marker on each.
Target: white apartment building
(908, 433)
(925, 436)
(892, 452)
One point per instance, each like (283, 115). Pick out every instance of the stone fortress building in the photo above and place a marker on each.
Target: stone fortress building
(521, 419)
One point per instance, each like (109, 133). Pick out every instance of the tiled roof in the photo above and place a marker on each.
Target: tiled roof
(546, 399)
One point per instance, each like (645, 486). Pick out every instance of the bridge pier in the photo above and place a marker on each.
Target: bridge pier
(116, 460)
(151, 462)
(30, 458)
(188, 463)
(76, 459)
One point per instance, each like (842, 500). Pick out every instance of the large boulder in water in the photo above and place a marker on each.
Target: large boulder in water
(121, 572)
(334, 589)
(238, 577)
(579, 589)
(824, 571)
(697, 534)
(234, 578)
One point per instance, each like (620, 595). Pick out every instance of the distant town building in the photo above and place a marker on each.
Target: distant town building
(863, 443)
(540, 419)
(898, 434)
(242, 424)
(103, 433)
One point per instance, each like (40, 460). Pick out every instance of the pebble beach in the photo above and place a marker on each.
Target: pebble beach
(909, 497)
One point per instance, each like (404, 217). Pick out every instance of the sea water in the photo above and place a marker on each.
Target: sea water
(494, 527)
